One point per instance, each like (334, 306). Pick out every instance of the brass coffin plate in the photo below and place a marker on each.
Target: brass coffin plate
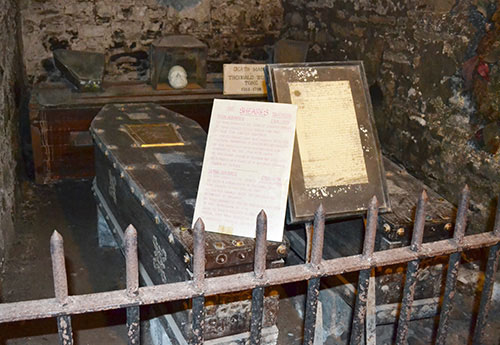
(336, 158)
(154, 135)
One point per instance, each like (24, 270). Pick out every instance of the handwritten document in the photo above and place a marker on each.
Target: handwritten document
(328, 137)
(246, 167)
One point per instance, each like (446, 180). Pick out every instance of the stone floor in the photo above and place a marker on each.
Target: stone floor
(69, 208)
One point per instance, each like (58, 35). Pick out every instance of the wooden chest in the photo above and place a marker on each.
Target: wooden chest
(345, 237)
(148, 164)
(60, 119)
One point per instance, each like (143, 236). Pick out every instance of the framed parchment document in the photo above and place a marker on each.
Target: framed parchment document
(336, 158)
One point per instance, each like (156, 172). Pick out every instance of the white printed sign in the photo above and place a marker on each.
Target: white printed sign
(246, 167)
(240, 79)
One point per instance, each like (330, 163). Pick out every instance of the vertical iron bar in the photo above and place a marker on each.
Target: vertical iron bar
(60, 287)
(309, 232)
(198, 310)
(359, 314)
(199, 254)
(132, 271)
(318, 236)
(313, 284)
(449, 293)
(411, 271)
(485, 304)
(489, 280)
(133, 325)
(406, 303)
(371, 228)
(311, 309)
(418, 227)
(131, 261)
(453, 263)
(371, 314)
(461, 222)
(257, 312)
(198, 319)
(260, 245)
(59, 267)
(259, 270)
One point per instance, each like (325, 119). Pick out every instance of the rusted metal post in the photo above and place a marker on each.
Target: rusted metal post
(133, 325)
(313, 284)
(359, 314)
(131, 261)
(311, 310)
(259, 270)
(461, 222)
(199, 254)
(419, 225)
(81, 304)
(198, 320)
(411, 271)
(371, 313)
(489, 280)
(318, 236)
(132, 270)
(198, 310)
(453, 263)
(59, 267)
(60, 287)
(260, 245)
(309, 233)
(371, 229)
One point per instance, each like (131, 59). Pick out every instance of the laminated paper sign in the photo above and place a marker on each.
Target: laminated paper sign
(246, 167)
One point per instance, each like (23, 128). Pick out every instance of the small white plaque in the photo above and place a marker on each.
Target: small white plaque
(240, 79)
(246, 167)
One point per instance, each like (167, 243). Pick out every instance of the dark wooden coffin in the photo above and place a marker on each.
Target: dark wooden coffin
(345, 237)
(60, 119)
(148, 164)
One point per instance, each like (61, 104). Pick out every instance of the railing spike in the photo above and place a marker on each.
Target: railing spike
(59, 267)
(260, 245)
(318, 236)
(461, 221)
(419, 224)
(371, 228)
(199, 253)
(131, 261)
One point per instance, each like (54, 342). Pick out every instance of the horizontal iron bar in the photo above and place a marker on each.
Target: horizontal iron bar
(79, 304)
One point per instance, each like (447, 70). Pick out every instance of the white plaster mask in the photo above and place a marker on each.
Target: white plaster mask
(177, 77)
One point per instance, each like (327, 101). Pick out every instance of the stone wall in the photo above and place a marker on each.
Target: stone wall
(432, 65)
(434, 77)
(234, 30)
(9, 101)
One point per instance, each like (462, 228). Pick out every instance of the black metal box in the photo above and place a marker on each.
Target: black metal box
(148, 164)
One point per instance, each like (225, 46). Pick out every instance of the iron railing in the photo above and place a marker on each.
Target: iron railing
(63, 305)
